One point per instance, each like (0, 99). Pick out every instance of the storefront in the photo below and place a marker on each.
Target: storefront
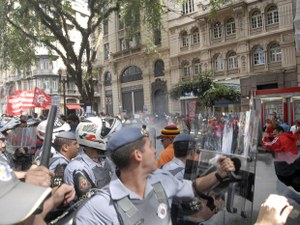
(284, 101)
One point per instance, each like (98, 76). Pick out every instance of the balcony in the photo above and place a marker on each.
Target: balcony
(39, 72)
(126, 52)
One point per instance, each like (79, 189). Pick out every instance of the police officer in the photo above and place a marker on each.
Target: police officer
(67, 148)
(139, 193)
(3, 153)
(91, 168)
(192, 211)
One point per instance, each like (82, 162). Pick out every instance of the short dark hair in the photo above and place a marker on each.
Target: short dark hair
(59, 142)
(73, 117)
(122, 156)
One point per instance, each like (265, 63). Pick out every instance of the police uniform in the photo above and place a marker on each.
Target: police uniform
(57, 159)
(118, 205)
(96, 175)
(102, 208)
(176, 167)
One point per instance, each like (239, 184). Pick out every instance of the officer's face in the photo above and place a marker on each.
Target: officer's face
(149, 156)
(73, 149)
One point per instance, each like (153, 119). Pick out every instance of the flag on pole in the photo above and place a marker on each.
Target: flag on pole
(41, 99)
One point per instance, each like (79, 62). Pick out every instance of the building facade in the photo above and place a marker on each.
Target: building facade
(248, 43)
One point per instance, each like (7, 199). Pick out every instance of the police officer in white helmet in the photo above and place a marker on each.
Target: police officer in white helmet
(91, 168)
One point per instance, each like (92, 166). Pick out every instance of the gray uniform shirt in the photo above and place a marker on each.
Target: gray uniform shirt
(83, 162)
(99, 210)
(176, 166)
(57, 159)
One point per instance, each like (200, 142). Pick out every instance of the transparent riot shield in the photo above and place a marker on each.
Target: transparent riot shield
(22, 137)
(235, 136)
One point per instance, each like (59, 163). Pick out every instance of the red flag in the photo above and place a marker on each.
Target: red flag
(41, 99)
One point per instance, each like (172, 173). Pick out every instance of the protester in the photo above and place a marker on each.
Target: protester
(139, 192)
(73, 120)
(91, 168)
(274, 211)
(167, 136)
(286, 159)
(67, 148)
(20, 203)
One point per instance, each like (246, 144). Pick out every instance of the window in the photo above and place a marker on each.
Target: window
(132, 73)
(275, 53)
(185, 39)
(232, 61)
(122, 43)
(188, 7)
(120, 22)
(105, 26)
(159, 68)
(197, 67)
(217, 32)
(258, 56)
(219, 62)
(157, 36)
(106, 51)
(195, 36)
(107, 79)
(230, 26)
(272, 15)
(256, 21)
(186, 69)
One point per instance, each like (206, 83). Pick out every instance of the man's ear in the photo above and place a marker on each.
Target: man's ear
(136, 154)
(64, 147)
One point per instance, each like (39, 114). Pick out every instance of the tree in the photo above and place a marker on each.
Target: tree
(28, 24)
(207, 91)
(25, 25)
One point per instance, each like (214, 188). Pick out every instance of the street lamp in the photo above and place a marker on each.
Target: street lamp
(63, 81)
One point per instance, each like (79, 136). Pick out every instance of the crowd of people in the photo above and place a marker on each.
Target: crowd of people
(101, 172)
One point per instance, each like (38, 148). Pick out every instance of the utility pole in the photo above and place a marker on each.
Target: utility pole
(63, 81)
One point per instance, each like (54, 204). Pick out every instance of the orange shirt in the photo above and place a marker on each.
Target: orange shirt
(165, 156)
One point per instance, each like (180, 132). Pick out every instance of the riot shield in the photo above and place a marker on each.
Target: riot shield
(235, 136)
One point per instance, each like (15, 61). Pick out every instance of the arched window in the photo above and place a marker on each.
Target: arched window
(159, 68)
(272, 15)
(185, 39)
(197, 67)
(232, 61)
(275, 53)
(132, 73)
(258, 56)
(256, 21)
(186, 69)
(195, 36)
(219, 62)
(107, 79)
(217, 32)
(230, 26)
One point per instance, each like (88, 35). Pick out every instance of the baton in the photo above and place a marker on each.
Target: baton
(48, 137)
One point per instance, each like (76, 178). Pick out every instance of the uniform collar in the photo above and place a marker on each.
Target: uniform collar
(118, 190)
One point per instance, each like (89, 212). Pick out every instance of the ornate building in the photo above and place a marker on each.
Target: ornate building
(247, 43)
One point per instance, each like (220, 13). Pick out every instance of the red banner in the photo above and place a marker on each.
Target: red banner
(13, 105)
(41, 99)
(23, 100)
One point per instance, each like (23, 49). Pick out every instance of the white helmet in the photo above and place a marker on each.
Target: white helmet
(94, 132)
(59, 126)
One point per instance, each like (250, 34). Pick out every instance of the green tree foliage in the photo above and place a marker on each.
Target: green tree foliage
(25, 25)
(207, 90)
